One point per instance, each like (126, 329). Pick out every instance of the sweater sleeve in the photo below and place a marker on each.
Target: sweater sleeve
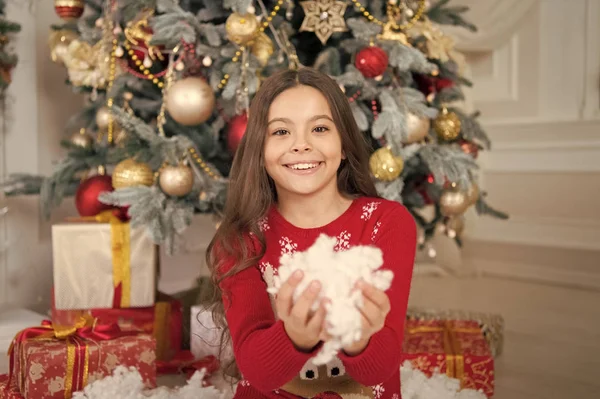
(381, 358)
(264, 353)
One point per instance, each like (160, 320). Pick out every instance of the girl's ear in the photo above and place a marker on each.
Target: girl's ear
(343, 154)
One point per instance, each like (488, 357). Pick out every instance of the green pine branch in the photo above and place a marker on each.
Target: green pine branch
(483, 208)
(7, 27)
(450, 15)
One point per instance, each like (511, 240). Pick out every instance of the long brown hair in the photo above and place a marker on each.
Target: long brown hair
(252, 192)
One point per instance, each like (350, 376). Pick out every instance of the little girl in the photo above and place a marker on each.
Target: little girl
(302, 170)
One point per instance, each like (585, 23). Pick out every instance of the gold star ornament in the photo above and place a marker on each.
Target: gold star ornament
(323, 17)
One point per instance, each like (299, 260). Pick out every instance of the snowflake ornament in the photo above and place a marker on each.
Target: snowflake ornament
(338, 272)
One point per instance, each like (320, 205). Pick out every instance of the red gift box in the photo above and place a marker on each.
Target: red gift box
(8, 391)
(454, 347)
(52, 363)
(164, 321)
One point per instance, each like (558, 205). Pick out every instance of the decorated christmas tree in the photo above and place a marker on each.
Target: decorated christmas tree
(168, 85)
(8, 59)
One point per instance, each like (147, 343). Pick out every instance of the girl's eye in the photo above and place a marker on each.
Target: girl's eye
(280, 132)
(321, 129)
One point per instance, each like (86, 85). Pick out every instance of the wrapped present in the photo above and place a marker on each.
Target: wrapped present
(103, 264)
(164, 321)
(53, 362)
(205, 337)
(8, 390)
(456, 348)
(492, 325)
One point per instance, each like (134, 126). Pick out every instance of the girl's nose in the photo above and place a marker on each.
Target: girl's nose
(301, 144)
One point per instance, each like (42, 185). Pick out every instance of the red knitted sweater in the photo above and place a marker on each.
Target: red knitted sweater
(267, 359)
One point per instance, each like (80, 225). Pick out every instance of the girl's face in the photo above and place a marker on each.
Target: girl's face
(303, 149)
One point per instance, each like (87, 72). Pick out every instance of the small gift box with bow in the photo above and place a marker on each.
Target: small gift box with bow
(101, 262)
(454, 347)
(53, 362)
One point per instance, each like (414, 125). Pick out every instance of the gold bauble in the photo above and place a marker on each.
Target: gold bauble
(453, 202)
(58, 42)
(455, 226)
(130, 173)
(473, 194)
(103, 118)
(447, 125)
(262, 48)
(241, 28)
(417, 128)
(190, 101)
(82, 139)
(176, 180)
(384, 165)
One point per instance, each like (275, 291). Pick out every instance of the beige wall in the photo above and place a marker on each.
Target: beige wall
(538, 89)
(40, 104)
(536, 72)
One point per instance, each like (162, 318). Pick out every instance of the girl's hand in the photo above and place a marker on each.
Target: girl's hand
(376, 306)
(302, 326)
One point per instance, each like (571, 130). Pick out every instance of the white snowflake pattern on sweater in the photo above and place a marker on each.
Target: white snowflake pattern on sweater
(263, 224)
(264, 266)
(395, 396)
(244, 383)
(378, 391)
(375, 231)
(343, 241)
(268, 273)
(369, 209)
(287, 246)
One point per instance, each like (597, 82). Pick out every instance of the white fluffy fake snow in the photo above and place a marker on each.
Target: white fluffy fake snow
(126, 383)
(416, 385)
(338, 273)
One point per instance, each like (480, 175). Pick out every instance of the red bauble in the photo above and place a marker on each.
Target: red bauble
(327, 395)
(139, 52)
(371, 61)
(431, 84)
(86, 197)
(469, 148)
(235, 131)
(68, 9)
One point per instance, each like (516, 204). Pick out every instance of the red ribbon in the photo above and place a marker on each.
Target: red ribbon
(117, 296)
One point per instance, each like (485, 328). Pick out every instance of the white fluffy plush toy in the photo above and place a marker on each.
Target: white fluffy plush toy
(338, 272)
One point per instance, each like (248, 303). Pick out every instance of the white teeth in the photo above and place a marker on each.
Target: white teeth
(303, 166)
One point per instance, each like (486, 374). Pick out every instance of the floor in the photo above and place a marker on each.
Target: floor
(552, 339)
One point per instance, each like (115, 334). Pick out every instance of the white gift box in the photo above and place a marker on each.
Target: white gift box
(205, 337)
(83, 267)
